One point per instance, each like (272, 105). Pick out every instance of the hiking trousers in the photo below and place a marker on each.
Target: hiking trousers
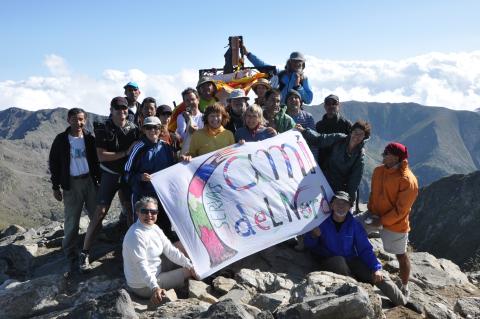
(82, 192)
(357, 269)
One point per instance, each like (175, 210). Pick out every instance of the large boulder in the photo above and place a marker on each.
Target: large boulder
(263, 281)
(226, 309)
(31, 297)
(179, 309)
(115, 304)
(327, 295)
(429, 272)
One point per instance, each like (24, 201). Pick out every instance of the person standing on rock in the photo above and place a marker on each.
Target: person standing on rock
(132, 92)
(342, 246)
(331, 122)
(292, 77)
(114, 140)
(393, 191)
(74, 168)
(146, 272)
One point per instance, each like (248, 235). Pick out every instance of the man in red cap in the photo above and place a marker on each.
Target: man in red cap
(393, 191)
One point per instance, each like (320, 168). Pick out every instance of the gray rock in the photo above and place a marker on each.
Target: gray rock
(439, 311)
(270, 301)
(30, 297)
(238, 295)
(12, 230)
(3, 278)
(226, 309)
(474, 277)
(170, 295)
(182, 308)
(263, 281)
(223, 285)
(322, 283)
(392, 266)
(29, 235)
(378, 249)
(9, 283)
(350, 306)
(19, 258)
(200, 290)
(3, 266)
(115, 304)
(431, 273)
(468, 306)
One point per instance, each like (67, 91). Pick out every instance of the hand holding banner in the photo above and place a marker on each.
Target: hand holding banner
(236, 201)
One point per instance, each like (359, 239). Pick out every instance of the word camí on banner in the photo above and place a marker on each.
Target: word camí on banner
(239, 200)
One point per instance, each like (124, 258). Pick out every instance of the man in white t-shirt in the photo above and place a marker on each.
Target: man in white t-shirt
(190, 120)
(74, 170)
(146, 272)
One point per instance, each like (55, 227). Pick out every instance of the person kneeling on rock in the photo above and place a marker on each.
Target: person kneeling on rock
(342, 246)
(147, 274)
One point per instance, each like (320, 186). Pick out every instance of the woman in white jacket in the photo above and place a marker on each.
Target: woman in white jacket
(143, 246)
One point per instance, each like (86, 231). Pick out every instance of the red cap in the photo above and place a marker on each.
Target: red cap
(397, 149)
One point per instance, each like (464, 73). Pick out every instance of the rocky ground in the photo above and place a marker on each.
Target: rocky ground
(278, 282)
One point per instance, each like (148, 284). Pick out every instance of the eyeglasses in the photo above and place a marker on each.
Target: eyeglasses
(151, 127)
(146, 211)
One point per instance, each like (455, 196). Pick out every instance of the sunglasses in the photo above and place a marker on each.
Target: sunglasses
(120, 107)
(146, 211)
(151, 127)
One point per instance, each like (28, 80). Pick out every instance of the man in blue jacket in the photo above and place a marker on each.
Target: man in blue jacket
(342, 246)
(292, 77)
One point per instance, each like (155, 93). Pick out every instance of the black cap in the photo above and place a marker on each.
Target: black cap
(119, 101)
(164, 108)
(333, 98)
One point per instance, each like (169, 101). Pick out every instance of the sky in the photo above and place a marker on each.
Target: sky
(81, 54)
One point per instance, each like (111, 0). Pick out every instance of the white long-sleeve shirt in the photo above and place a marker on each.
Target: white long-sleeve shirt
(182, 124)
(142, 247)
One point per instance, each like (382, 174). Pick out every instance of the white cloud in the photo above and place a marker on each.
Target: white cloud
(437, 79)
(56, 65)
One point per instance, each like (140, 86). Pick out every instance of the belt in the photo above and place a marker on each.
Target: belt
(80, 176)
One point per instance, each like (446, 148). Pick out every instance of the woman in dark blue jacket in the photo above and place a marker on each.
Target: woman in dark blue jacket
(149, 156)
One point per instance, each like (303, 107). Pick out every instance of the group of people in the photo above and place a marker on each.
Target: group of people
(139, 139)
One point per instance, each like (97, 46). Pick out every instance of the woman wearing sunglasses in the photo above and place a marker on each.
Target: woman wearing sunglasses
(147, 273)
(148, 156)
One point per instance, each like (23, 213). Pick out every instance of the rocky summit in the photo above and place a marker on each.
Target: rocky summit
(278, 282)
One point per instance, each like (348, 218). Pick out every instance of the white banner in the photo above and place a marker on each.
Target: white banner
(231, 203)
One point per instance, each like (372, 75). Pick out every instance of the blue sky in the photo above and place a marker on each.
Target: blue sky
(170, 37)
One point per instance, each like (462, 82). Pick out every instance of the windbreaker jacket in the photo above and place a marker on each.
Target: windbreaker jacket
(342, 169)
(351, 241)
(287, 81)
(59, 160)
(147, 157)
(392, 194)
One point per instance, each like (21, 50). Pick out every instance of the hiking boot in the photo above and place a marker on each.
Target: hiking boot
(415, 307)
(300, 246)
(84, 262)
(405, 291)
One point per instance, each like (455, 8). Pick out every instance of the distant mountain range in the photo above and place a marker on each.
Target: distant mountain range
(441, 142)
(446, 217)
(25, 189)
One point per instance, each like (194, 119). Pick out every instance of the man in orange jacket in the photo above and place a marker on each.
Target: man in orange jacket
(393, 191)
